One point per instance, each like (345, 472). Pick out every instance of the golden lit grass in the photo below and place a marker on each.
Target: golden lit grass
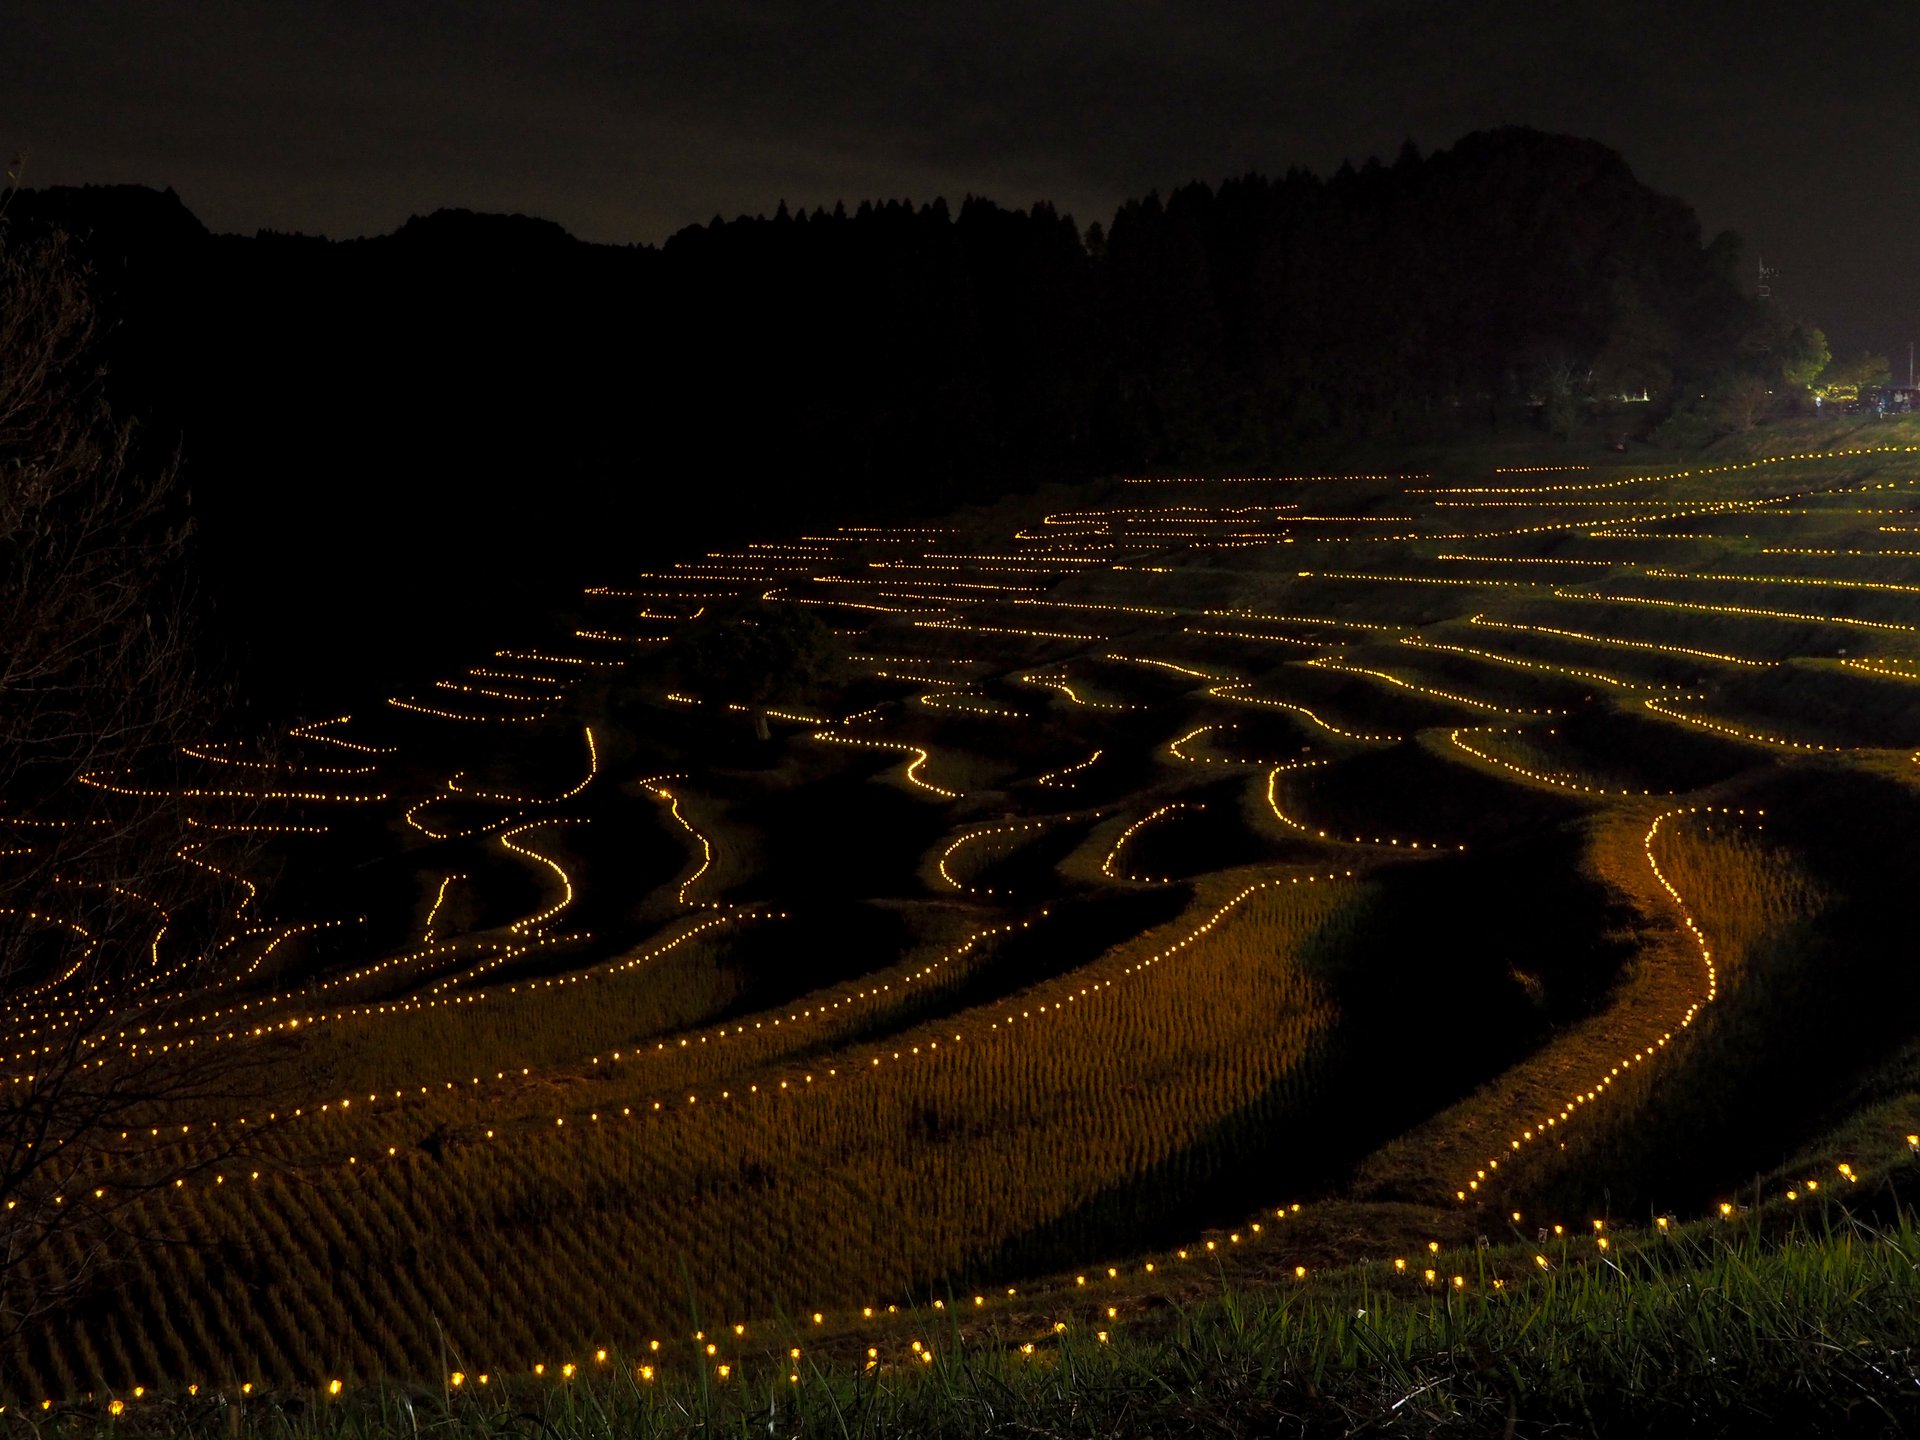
(548, 1020)
(867, 1181)
(1816, 1020)
(1741, 890)
(1540, 757)
(674, 1010)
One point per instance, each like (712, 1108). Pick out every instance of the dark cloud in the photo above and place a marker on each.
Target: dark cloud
(626, 121)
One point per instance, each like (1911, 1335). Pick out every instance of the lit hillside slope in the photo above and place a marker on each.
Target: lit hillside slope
(1309, 867)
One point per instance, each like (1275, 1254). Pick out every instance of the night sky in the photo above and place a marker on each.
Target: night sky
(1799, 127)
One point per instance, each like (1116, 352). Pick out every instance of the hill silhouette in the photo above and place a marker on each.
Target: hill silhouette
(400, 443)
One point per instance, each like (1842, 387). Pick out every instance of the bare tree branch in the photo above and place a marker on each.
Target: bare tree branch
(110, 912)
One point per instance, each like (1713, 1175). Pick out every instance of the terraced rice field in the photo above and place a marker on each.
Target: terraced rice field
(1309, 865)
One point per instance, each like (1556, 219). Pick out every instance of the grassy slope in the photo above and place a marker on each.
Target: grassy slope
(1252, 1362)
(1768, 1325)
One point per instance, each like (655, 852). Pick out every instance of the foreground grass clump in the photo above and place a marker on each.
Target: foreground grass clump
(1811, 1330)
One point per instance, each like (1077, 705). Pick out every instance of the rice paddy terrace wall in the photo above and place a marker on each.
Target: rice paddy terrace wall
(1140, 879)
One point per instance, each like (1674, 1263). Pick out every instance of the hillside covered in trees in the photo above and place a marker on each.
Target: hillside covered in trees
(435, 427)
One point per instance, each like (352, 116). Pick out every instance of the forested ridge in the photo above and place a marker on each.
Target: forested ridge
(448, 426)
